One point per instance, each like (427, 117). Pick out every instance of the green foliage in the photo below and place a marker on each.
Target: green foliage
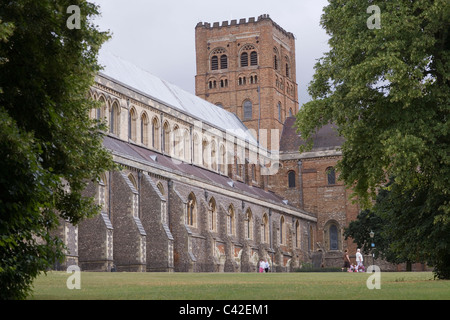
(49, 148)
(388, 92)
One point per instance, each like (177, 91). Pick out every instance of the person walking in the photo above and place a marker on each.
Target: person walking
(346, 261)
(359, 260)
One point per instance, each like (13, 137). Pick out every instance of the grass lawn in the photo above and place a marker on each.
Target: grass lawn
(241, 286)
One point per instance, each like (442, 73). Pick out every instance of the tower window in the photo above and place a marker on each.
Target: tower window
(223, 62)
(214, 63)
(248, 110)
(244, 59)
(331, 176)
(253, 58)
(291, 179)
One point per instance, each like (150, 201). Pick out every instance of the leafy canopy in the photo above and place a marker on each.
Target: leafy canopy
(49, 148)
(388, 92)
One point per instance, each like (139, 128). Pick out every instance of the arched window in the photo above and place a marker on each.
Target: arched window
(231, 221)
(155, 133)
(196, 150)
(279, 111)
(244, 59)
(166, 138)
(213, 156)
(282, 230)
(135, 203)
(291, 179)
(144, 129)
(191, 210)
(248, 110)
(177, 142)
(248, 224)
(205, 153)
(276, 59)
(114, 121)
(212, 215)
(214, 63)
(297, 234)
(223, 61)
(331, 176)
(100, 113)
(253, 58)
(132, 124)
(265, 229)
(103, 193)
(222, 160)
(334, 243)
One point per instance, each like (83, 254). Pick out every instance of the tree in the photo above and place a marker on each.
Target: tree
(388, 92)
(49, 148)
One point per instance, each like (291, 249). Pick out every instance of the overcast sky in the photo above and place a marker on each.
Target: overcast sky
(159, 36)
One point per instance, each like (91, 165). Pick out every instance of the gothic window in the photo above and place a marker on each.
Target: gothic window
(212, 215)
(103, 193)
(331, 176)
(114, 123)
(166, 138)
(231, 221)
(144, 129)
(191, 210)
(177, 142)
(222, 159)
(265, 229)
(291, 179)
(205, 153)
(213, 156)
(248, 224)
(297, 234)
(248, 110)
(290, 112)
(135, 202)
(155, 133)
(333, 231)
(100, 113)
(223, 61)
(132, 124)
(282, 230)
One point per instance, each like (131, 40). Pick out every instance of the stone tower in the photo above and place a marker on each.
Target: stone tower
(249, 68)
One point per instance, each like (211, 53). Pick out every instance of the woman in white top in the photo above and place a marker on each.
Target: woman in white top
(359, 258)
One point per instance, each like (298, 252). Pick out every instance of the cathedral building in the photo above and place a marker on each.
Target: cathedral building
(212, 182)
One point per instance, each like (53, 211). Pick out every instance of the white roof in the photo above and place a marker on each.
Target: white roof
(132, 76)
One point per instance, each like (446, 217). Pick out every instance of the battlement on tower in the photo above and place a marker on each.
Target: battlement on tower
(243, 21)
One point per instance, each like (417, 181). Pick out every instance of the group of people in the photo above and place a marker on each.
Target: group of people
(263, 266)
(350, 267)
